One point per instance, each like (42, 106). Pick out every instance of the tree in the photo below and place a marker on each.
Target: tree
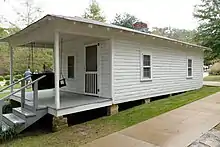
(94, 12)
(208, 32)
(175, 33)
(125, 20)
(27, 12)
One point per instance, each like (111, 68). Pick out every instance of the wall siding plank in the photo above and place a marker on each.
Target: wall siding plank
(169, 70)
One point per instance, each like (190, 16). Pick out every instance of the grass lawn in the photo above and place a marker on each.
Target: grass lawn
(16, 86)
(212, 78)
(89, 131)
(3, 94)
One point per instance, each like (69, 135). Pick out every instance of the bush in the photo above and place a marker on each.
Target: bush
(1, 78)
(7, 82)
(215, 69)
(18, 77)
(7, 77)
(7, 135)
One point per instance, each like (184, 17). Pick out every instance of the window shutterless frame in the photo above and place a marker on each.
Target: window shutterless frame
(189, 67)
(146, 66)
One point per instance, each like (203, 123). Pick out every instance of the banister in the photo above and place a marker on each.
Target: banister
(7, 96)
(1, 90)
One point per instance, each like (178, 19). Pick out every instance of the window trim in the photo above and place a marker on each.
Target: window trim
(187, 70)
(74, 66)
(142, 78)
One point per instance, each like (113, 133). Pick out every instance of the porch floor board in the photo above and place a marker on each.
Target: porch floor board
(67, 100)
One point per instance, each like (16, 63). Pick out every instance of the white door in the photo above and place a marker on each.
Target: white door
(91, 73)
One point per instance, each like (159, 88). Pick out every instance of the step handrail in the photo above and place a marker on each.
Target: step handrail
(7, 96)
(22, 89)
(1, 90)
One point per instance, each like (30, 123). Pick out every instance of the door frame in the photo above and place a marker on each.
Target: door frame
(98, 69)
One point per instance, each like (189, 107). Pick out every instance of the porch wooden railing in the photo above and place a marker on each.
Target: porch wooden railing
(22, 90)
(9, 86)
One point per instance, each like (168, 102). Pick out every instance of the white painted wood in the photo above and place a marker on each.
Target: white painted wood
(11, 66)
(105, 68)
(112, 69)
(57, 69)
(93, 73)
(70, 110)
(77, 48)
(168, 70)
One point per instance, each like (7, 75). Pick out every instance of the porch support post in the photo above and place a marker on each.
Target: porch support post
(11, 66)
(57, 68)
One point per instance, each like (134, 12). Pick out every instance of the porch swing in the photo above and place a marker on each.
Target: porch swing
(49, 81)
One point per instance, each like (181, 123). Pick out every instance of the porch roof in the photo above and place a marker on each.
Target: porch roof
(46, 19)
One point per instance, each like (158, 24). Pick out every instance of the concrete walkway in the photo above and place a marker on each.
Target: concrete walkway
(211, 83)
(177, 128)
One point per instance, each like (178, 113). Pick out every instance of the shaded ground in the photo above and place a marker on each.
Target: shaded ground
(89, 131)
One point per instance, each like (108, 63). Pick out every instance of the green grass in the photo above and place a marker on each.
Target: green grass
(212, 78)
(16, 86)
(3, 94)
(89, 131)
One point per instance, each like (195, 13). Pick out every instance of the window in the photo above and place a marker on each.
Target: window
(146, 67)
(71, 70)
(189, 68)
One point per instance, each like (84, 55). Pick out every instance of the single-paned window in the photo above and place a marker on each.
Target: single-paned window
(189, 68)
(146, 66)
(71, 67)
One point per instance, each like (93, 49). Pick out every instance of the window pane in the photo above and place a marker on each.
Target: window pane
(189, 72)
(147, 72)
(146, 60)
(70, 66)
(189, 62)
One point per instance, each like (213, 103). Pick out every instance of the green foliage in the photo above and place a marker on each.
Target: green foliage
(7, 82)
(94, 12)
(7, 77)
(18, 77)
(208, 33)
(7, 135)
(1, 78)
(175, 33)
(125, 20)
(215, 69)
(215, 78)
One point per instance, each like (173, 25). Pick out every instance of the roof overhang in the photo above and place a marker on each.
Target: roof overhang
(46, 19)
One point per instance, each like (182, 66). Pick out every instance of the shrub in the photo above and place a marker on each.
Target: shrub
(7, 77)
(215, 69)
(18, 77)
(7, 82)
(15, 80)
(1, 78)
(8, 134)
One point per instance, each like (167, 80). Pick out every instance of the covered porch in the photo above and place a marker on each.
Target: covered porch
(69, 102)
(81, 56)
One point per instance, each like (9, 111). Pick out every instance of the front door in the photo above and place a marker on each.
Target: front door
(91, 74)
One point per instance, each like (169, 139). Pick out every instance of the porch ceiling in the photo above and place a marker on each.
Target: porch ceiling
(49, 42)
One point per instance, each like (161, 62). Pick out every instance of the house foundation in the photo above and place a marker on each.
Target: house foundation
(112, 110)
(58, 123)
(146, 101)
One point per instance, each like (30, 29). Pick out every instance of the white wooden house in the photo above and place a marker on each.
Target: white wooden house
(104, 65)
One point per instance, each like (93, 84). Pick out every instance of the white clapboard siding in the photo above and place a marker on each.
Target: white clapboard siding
(169, 70)
(105, 69)
(77, 50)
(76, 84)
